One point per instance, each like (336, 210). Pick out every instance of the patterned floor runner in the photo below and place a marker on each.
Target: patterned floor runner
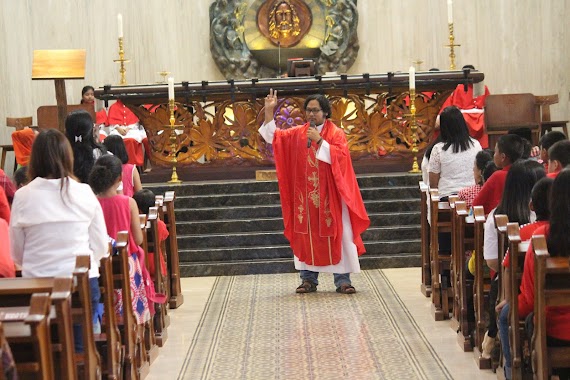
(256, 327)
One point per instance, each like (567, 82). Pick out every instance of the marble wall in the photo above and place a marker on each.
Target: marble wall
(520, 45)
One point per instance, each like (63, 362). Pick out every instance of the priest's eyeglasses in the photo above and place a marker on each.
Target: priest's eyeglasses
(313, 110)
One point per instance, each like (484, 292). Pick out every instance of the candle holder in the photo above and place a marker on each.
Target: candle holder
(414, 129)
(173, 143)
(122, 62)
(163, 74)
(451, 47)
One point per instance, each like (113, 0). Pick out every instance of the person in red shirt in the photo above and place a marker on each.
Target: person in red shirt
(509, 148)
(4, 206)
(545, 142)
(7, 185)
(558, 241)
(7, 268)
(540, 205)
(558, 157)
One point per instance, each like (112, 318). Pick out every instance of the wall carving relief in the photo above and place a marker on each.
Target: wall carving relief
(254, 39)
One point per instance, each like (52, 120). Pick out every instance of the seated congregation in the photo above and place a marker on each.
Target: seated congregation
(88, 261)
(496, 247)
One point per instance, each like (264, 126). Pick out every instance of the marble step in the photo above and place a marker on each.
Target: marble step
(245, 186)
(265, 198)
(248, 239)
(285, 265)
(267, 252)
(276, 223)
(274, 210)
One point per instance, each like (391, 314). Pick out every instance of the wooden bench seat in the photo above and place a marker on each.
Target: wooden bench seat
(425, 286)
(176, 296)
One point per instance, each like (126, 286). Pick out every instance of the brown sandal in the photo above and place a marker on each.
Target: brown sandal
(346, 289)
(306, 287)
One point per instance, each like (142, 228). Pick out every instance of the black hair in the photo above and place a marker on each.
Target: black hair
(516, 195)
(551, 138)
(323, 103)
(490, 168)
(540, 195)
(526, 135)
(105, 173)
(482, 158)
(116, 145)
(430, 147)
(560, 152)
(512, 146)
(145, 199)
(79, 132)
(454, 130)
(558, 239)
(21, 176)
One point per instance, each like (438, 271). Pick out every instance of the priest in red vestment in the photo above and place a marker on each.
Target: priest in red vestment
(323, 212)
(123, 122)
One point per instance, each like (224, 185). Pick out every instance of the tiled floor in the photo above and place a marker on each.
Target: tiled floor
(186, 320)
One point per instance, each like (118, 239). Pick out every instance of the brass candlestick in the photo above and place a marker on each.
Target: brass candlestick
(451, 47)
(122, 62)
(173, 143)
(163, 74)
(414, 128)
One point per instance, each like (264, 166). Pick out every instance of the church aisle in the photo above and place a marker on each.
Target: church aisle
(256, 327)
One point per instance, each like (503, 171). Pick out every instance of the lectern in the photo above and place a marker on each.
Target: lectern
(59, 65)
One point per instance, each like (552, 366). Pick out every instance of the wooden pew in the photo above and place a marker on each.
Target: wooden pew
(161, 317)
(440, 222)
(135, 366)
(453, 271)
(517, 252)
(159, 203)
(150, 348)
(480, 289)
(109, 342)
(30, 338)
(464, 289)
(176, 296)
(18, 292)
(425, 286)
(551, 289)
(7, 364)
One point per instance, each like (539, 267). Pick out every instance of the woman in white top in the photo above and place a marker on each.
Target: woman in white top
(54, 217)
(452, 159)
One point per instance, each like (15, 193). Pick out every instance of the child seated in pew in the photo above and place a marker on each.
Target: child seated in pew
(515, 204)
(146, 199)
(7, 268)
(558, 241)
(539, 203)
(483, 159)
(21, 177)
(545, 142)
(508, 150)
(121, 214)
(131, 179)
(558, 157)
(54, 217)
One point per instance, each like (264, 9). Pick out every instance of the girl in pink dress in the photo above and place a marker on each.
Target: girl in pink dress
(131, 177)
(121, 214)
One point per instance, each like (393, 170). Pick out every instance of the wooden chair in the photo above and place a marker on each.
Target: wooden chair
(29, 336)
(425, 286)
(161, 317)
(505, 112)
(517, 252)
(546, 124)
(176, 296)
(551, 289)
(18, 291)
(481, 288)
(464, 289)
(440, 222)
(109, 342)
(17, 123)
(134, 365)
(150, 348)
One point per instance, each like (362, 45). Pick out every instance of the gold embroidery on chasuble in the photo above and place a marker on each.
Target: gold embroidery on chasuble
(327, 212)
(313, 177)
(301, 208)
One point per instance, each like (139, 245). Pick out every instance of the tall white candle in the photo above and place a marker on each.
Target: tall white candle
(450, 11)
(170, 88)
(412, 78)
(120, 24)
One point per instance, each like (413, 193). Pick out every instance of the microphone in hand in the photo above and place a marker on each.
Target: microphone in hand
(308, 139)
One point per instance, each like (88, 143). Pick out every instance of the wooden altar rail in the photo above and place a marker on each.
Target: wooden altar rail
(336, 85)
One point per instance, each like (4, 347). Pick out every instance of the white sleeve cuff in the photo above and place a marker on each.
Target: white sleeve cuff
(267, 131)
(324, 152)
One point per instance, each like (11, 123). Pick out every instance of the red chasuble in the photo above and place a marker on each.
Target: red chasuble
(121, 115)
(311, 193)
(475, 121)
